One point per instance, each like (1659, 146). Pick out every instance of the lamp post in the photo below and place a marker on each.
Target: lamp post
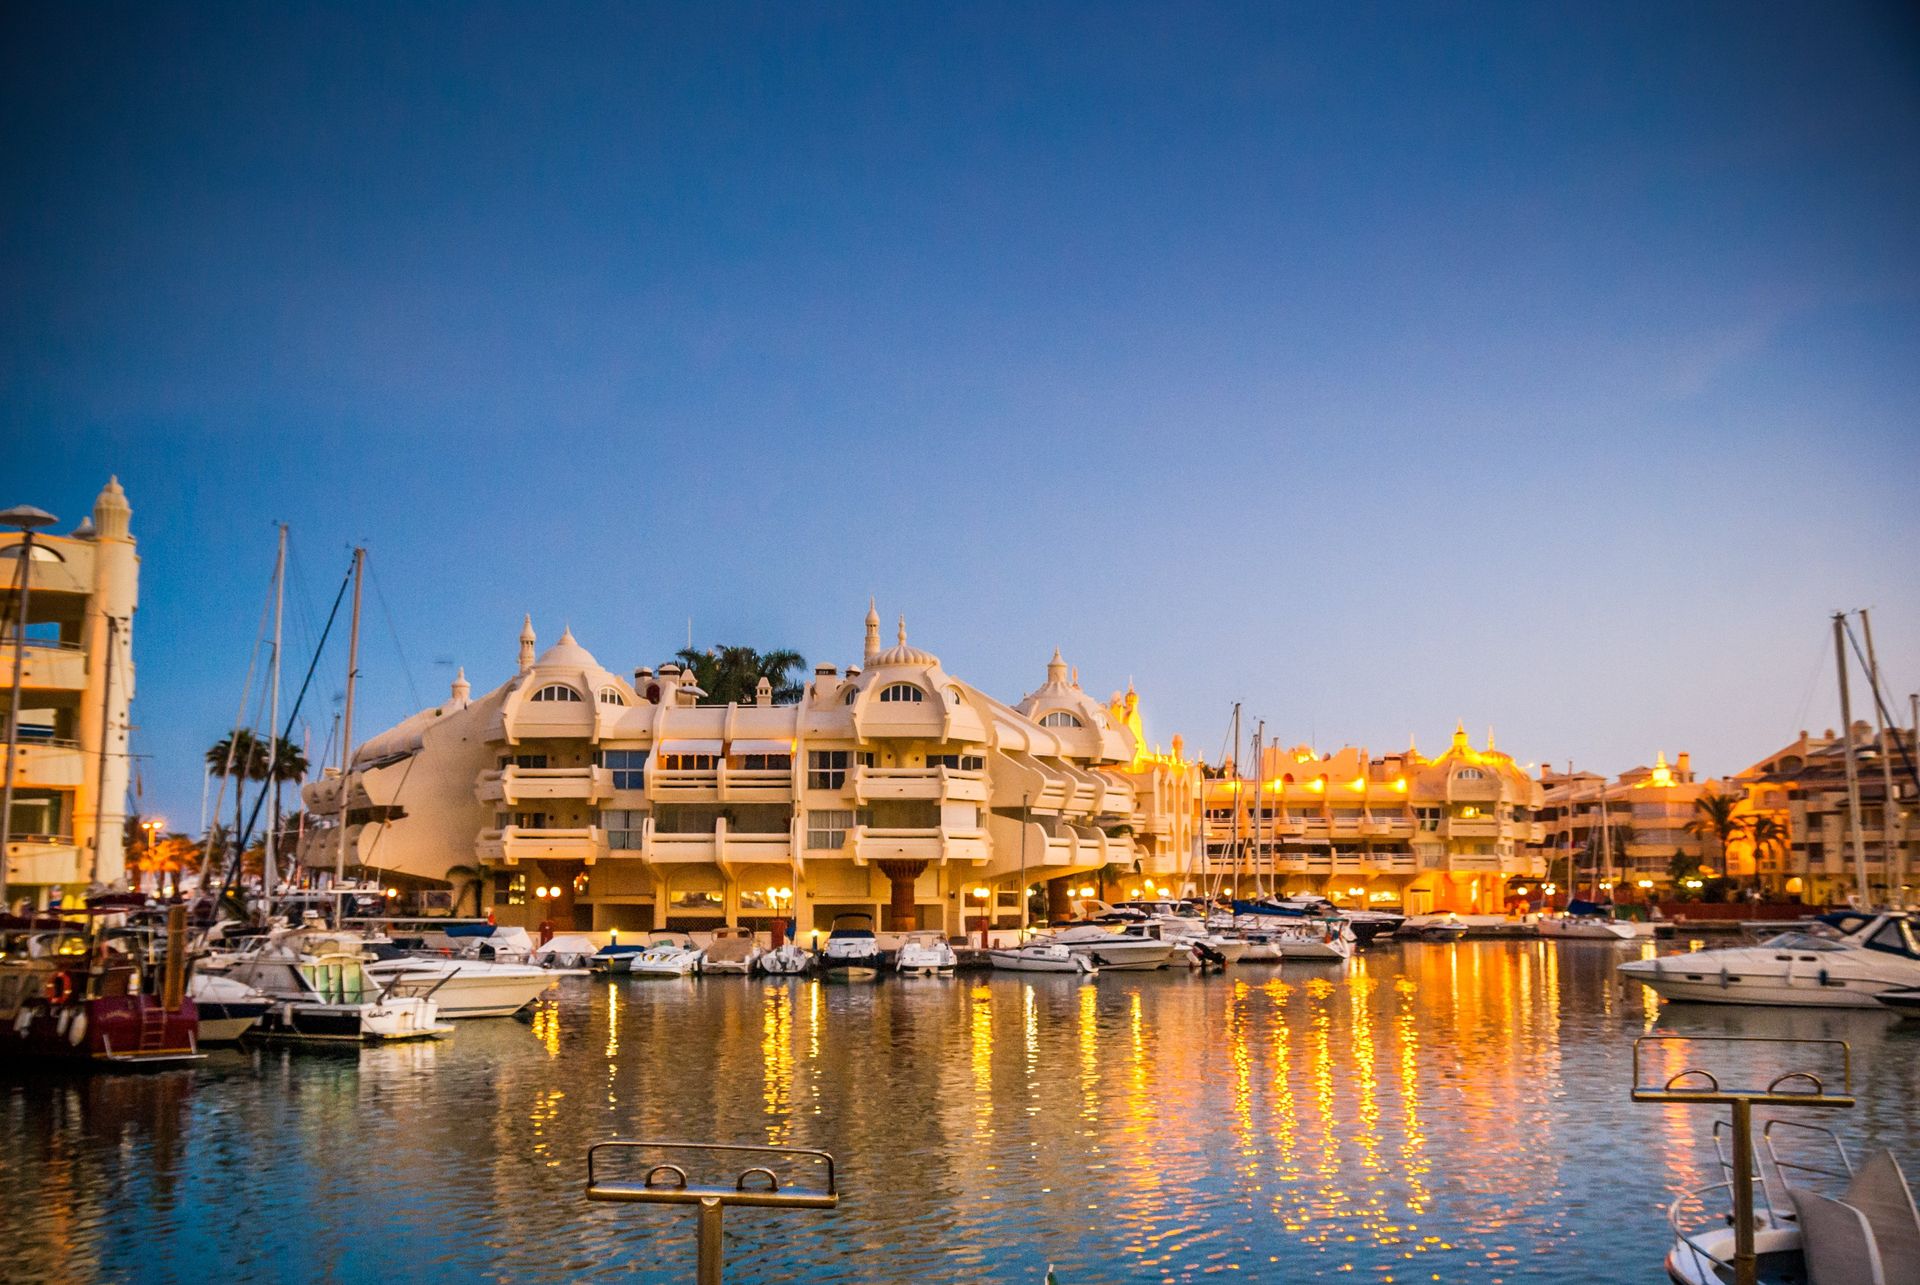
(25, 519)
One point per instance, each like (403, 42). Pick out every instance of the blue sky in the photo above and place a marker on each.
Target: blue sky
(1378, 368)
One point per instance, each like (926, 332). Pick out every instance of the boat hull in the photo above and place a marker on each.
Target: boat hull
(126, 1031)
(1015, 961)
(224, 1023)
(351, 1023)
(1596, 930)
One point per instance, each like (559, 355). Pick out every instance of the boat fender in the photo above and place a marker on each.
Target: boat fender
(77, 1033)
(66, 1020)
(1723, 977)
(22, 1020)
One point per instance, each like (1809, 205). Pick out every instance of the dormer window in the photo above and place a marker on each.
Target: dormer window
(557, 692)
(611, 696)
(902, 692)
(1470, 774)
(1060, 718)
(853, 694)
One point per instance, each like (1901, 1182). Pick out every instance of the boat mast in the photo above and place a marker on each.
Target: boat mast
(1606, 842)
(268, 872)
(346, 720)
(1259, 796)
(1237, 793)
(1890, 839)
(1853, 770)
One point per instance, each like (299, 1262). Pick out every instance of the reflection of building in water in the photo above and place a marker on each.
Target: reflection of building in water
(1397, 829)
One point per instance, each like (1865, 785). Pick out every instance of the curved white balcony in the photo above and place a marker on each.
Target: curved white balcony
(941, 784)
(48, 764)
(46, 665)
(513, 784)
(513, 844)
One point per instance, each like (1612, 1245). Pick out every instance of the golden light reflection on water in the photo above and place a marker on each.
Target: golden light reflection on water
(546, 1028)
(776, 1059)
(1089, 1037)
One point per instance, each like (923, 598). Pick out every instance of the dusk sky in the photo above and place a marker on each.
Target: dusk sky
(1553, 370)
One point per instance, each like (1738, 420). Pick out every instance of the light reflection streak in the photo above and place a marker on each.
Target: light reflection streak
(1030, 1033)
(1089, 1033)
(776, 1056)
(613, 1046)
(546, 1028)
(980, 1048)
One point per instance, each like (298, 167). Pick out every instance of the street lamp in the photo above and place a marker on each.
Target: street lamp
(25, 519)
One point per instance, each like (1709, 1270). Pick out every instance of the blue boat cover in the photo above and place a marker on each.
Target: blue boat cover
(1578, 907)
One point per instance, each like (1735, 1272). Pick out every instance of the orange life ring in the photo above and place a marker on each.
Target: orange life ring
(59, 988)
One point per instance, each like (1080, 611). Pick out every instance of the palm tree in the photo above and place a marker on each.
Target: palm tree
(731, 675)
(465, 879)
(1768, 837)
(242, 757)
(1714, 816)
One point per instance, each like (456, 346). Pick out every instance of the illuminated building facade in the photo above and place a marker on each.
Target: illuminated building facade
(70, 784)
(1803, 787)
(1398, 830)
(577, 796)
(1647, 811)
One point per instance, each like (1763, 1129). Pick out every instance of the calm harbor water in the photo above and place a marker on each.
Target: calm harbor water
(1450, 1112)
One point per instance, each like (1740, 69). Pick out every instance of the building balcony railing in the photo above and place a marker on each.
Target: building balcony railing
(515, 784)
(47, 763)
(512, 844)
(47, 665)
(867, 844)
(934, 783)
(756, 785)
(43, 858)
(1470, 827)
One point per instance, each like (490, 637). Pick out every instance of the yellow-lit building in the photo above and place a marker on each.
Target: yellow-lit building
(600, 800)
(1395, 830)
(1802, 786)
(1647, 812)
(67, 826)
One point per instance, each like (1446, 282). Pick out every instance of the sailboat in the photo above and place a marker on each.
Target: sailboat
(1590, 920)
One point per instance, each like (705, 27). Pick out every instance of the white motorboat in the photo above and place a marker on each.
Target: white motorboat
(666, 955)
(1863, 1228)
(568, 950)
(732, 950)
(467, 987)
(228, 1008)
(614, 958)
(1572, 927)
(320, 990)
(1445, 926)
(1841, 960)
(1109, 950)
(1366, 925)
(1324, 940)
(925, 954)
(1043, 957)
(787, 960)
(851, 954)
(1173, 923)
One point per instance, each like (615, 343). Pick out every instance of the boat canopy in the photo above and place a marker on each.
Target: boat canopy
(1578, 907)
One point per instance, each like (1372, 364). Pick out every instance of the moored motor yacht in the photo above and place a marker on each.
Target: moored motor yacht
(1585, 921)
(925, 954)
(1322, 940)
(1840, 960)
(1366, 925)
(1445, 926)
(568, 950)
(733, 949)
(668, 954)
(464, 987)
(1171, 923)
(319, 990)
(228, 1008)
(851, 953)
(614, 958)
(788, 960)
(1043, 957)
(1110, 950)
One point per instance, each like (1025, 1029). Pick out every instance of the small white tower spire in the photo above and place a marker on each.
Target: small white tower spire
(526, 644)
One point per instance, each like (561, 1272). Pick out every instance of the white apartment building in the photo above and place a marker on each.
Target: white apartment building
(588, 799)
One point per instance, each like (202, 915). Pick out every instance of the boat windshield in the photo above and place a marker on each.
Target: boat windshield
(1896, 938)
(1802, 941)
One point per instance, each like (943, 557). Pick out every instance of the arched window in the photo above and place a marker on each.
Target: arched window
(611, 696)
(557, 692)
(853, 694)
(41, 552)
(953, 697)
(1060, 718)
(902, 692)
(1470, 774)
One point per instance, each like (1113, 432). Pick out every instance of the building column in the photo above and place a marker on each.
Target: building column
(902, 915)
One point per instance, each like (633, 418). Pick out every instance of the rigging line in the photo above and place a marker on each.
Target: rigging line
(240, 844)
(1906, 759)
(406, 670)
(233, 742)
(1813, 679)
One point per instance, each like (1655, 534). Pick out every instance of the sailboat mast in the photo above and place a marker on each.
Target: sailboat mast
(1853, 770)
(1890, 838)
(1259, 797)
(106, 739)
(346, 719)
(269, 866)
(1606, 841)
(1238, 792)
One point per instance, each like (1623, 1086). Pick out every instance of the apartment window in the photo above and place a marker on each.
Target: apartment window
(510, 890)
(1470, 774)
(763, 762)
(623, 827)
(557, 692)
(865, 758)
(530, 820)
(1429, 818)
(688, 762)
(523, 760)
(899, 692)
(1060, 718)
(629, 768)
(827, 830)
(827, 769)
(958, 762)
(611, 696)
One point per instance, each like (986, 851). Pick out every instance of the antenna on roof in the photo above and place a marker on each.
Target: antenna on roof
(689, 633)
